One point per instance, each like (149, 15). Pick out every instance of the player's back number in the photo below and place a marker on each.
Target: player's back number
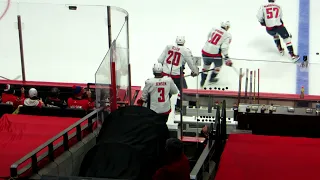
(215, 38)
(272, 12)
(161, 97)
(173, 58)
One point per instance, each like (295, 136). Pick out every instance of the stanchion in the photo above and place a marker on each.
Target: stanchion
(251, 84)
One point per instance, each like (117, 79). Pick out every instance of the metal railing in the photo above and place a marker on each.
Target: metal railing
(214, 148)
(51, 147)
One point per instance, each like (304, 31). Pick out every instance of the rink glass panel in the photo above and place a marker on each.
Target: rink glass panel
(118, 54)
(276, 75)
(9, 42)
(60, 44)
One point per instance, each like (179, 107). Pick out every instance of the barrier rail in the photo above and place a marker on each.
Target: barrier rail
(51, 148)
(214, 147)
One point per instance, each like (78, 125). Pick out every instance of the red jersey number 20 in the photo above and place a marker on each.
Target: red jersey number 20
(173, 58)
(215, 38)
(161, 95)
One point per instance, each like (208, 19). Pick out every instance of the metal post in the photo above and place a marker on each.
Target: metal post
(181, 103)
(129, 65)
(21, 48)
(246, 86)
(109, 26)
(240, 82)
(258, 86)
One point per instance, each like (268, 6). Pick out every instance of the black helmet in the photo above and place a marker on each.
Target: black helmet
(55, 92)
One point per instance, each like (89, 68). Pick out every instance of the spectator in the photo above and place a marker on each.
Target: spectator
(78, 102)
(204, 133)
(53, 99)
(9, 97)
(33, 100)
(178, 167)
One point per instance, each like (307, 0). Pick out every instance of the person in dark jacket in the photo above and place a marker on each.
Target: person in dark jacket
(177, 167)
(53, 99)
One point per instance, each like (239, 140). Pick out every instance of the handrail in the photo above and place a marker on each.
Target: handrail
(224, 121)
(49, 143)
(201, 160)
(215, 142)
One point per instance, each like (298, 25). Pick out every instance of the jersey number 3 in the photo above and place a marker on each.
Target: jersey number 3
(161, 95)
(215, 38)
(272, 13)
(175, 56)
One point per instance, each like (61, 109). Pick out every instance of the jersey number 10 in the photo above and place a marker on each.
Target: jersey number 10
(272, 13)
(175, 58)
(215, 38)
(161, 95)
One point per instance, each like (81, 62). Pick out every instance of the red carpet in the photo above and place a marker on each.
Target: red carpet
(252, 157)
(20, 134)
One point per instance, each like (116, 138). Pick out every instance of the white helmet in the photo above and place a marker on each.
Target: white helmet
(225, 24)
(33, 93)
(180, 40)
(157, 68)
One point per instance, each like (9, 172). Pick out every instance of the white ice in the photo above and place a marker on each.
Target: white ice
(68, 46)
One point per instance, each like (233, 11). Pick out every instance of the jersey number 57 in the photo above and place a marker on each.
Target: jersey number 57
(272, 12)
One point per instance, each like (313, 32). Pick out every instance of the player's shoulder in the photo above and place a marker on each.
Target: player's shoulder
(148, 81)
(170, 46)
(167, 78)
(184, 48)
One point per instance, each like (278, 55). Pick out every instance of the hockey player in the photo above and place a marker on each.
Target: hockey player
(156, 92)
(215, 51)
(270, 16)
(173, 58)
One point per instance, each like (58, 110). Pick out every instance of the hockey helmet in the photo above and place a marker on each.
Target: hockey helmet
(55, 92)
(157, 68)
(180, 40)
(33, 93)
(225, 24)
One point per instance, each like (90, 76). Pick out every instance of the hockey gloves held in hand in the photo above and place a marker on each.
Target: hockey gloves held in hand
(140, 102)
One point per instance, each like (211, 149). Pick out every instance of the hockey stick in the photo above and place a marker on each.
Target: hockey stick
(201, 72)
(235, 69)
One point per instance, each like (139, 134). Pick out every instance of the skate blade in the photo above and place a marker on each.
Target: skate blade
(295, 59)
(281, 53)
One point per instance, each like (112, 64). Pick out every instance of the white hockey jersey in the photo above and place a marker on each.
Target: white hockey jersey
(218, 43)
(270, 14)
(173, 57)
(158, 90)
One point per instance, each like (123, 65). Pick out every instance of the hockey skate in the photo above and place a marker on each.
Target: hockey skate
(202, 82)
(295, 58)
(281, 50)
(213, 80)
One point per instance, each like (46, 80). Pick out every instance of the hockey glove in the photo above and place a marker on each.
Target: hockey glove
(227, 60)
(140, 102)
(193, 74)
(229, 63)
(263, 23)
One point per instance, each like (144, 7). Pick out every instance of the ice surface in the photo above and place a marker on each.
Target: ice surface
(65, 46)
